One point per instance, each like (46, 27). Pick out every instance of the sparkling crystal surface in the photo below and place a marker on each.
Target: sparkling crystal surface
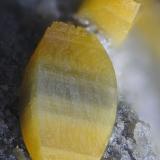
(69, 96)
(131, 138)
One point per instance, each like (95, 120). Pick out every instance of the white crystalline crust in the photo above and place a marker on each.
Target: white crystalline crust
(131, 138)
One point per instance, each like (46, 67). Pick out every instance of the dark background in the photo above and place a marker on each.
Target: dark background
(22, 24)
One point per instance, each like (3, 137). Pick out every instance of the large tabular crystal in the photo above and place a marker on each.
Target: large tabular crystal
(114, 17)
(69, 96)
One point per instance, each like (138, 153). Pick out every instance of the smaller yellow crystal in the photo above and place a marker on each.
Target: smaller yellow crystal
(114, 17)
(148, 24)
(69, 96)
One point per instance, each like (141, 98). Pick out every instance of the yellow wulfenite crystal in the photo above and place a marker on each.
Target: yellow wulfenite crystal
(70, 99)
(114, 17)
(149, 24)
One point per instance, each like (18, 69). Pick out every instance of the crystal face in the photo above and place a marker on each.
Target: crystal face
(114, 17)
(69, 96)
(149, 23)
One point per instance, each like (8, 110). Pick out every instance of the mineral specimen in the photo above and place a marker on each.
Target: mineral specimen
(69, 96)
(114, 17)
